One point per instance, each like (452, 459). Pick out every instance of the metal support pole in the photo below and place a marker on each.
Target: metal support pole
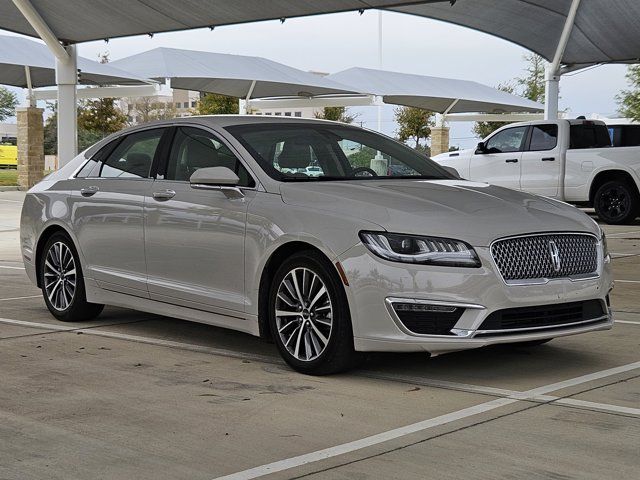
(552, 76)
(30, 96)
(379, 66)
(67, 79)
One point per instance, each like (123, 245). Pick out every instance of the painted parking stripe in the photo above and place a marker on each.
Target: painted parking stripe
(19, 298)
(11, 268)
(630, 322)
(10, 201)
(344, 448)
(627, 281)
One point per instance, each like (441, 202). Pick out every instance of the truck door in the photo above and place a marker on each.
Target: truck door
(498, 163)
(541, 161)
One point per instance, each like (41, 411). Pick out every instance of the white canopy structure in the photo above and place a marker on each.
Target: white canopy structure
(605, 30)
(233, 75)
(436, 94)
(16, 53)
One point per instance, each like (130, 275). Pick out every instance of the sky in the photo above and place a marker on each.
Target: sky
(330, 43)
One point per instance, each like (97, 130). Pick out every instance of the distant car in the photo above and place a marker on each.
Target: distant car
(313, 171)
(190, 218)
(8, 155)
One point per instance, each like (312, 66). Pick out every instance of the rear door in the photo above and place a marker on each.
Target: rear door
(499, 162)
(541, 161)
(107, 206)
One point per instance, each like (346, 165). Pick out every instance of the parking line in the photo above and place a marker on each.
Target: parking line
(630, 322)
(19, 298)
(355, 445)
(11, 268)
(610, 235)
(10, 201)
(627, 281)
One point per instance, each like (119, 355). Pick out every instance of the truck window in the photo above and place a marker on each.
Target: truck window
(625, 135)
(588, 135)
(543, 137)
(509, 140)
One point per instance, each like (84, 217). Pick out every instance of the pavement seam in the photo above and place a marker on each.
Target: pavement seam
(475, 424)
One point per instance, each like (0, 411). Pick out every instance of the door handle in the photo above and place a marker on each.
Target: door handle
(548, 159)
(164, 195)
(88, 191)
(511, 160)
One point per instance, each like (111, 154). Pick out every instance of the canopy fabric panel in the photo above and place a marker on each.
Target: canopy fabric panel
(226, 74)
(605, 30)
(77, 21)
(433, 93)
(16, 52)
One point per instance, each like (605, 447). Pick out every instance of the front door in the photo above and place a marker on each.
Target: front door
(107, 212)
(194, 237)
(541, 162)
(499, 162)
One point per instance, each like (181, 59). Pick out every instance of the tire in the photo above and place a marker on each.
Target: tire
(305, 348)
(63, 288)
(617, 202)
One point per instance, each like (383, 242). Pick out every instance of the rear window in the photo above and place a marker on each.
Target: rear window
(589, 135)
(625, 135)
(543, 137)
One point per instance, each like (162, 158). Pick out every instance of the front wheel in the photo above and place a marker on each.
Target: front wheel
(62, 281)
(309, 316)
(616, 203)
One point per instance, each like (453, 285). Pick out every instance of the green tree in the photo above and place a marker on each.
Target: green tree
(337, 114)
(101, 117)
(8, 102)
(531, 85)
(214, 104)
(629, 100)
(413, 124)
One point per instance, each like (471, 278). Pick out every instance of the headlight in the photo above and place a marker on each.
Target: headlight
(605, 247)
(423, 250)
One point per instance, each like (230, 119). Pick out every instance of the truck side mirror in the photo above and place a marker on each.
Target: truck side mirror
(480, 149)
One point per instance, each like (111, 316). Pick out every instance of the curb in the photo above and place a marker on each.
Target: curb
(9, 189)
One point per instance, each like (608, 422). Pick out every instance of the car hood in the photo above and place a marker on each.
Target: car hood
(475, 212)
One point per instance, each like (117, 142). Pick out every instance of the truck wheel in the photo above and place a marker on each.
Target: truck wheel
(616, 202)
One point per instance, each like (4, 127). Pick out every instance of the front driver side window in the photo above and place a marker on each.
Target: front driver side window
(509, 140)
(194, 148)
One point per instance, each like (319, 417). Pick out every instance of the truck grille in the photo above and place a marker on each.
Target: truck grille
(535, 257)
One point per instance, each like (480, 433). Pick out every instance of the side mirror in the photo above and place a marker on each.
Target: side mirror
(214, 176)
(481, 148)
(452, 171)
(217, 178)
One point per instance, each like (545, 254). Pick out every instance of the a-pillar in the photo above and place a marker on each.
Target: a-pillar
(30, 146)
(439, 140)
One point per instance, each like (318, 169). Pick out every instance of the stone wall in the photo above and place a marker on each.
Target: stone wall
(439, 140)
(30, 146)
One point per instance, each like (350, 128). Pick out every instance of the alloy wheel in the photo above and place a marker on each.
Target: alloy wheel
(60, 276)
(615, 202)
(304, 314)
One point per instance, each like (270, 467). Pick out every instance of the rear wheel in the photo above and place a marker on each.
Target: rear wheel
(616, 202)
(62, 281)
(309, 316)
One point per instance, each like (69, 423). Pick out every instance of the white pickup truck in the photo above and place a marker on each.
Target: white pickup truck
(569, 160)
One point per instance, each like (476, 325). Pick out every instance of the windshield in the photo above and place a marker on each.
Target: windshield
(317, 152)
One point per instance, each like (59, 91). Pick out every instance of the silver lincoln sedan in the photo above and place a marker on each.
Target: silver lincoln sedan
(218, 220)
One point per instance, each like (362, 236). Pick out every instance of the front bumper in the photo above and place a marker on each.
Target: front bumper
(374, 283)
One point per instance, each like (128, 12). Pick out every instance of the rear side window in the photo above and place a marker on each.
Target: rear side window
(543, 137)
(132, 158)
(589, 136)
(625, 135)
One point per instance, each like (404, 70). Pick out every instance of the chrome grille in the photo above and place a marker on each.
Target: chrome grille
(531, 257)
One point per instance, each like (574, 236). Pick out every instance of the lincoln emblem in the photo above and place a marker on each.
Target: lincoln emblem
(555, 255)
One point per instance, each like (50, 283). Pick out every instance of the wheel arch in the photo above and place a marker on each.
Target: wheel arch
(45, 235)
(608, 175)
(279, 255)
